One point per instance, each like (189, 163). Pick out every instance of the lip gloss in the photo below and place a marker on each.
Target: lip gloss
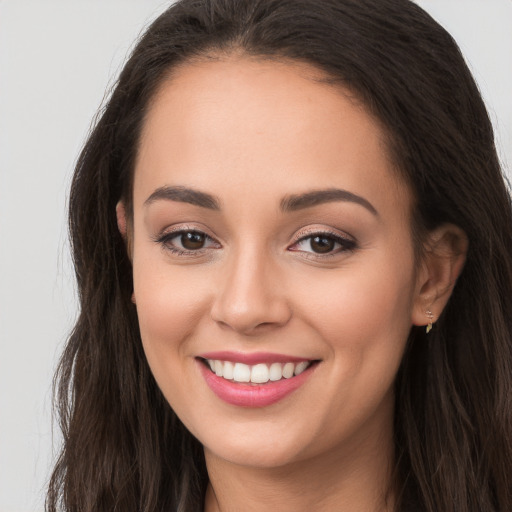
(253, 395)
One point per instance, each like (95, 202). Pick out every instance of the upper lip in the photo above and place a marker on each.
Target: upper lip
(252, 358)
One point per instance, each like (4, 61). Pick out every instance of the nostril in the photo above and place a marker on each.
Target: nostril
(248, 302)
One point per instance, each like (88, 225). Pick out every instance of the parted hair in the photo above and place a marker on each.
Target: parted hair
(124, 449)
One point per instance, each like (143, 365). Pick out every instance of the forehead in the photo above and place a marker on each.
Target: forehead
(261, 125)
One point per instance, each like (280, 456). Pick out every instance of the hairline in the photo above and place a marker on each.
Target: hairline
(236, 51)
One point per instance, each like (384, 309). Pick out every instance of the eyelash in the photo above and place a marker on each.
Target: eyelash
(345, 244)
(165, 241)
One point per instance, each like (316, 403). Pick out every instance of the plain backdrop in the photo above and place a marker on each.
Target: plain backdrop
(56, 60)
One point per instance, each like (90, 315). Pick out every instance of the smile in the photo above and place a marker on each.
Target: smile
(254, 383)
(257, 374)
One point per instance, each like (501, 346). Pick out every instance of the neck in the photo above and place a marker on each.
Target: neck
(348, 479)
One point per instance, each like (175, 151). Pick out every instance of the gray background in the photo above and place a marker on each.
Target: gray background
(56, 59)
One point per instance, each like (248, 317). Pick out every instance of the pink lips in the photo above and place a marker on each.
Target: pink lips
(252, 395)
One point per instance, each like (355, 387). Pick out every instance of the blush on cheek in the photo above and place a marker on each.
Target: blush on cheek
(169, 308)
(361, 311)
(166, 321)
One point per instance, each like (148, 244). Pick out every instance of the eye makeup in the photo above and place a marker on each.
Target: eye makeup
(321, 243)
(186, 241)
(318, 243)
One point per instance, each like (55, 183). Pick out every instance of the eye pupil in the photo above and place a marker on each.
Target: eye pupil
(192, 240)
(322, 244)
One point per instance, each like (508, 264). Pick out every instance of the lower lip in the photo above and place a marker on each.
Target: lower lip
(253, 395)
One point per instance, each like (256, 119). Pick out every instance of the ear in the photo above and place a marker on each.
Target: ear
(121, 218)
(123, 224)
(442, 262)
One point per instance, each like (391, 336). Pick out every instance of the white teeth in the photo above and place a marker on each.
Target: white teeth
(301, 367)
(241, 373)
(260, 374)
(288, 370)
(228, 370)
(257, 374)
(276, 372)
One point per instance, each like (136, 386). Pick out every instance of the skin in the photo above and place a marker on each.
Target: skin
(250, 133)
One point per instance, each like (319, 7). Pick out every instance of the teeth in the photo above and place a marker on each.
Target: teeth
(276, 372)
(288, 369)
(228, 370)
(257, 374)
(241, 373)
(260, 374)
(301, 367)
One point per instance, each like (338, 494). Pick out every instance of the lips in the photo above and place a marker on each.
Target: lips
(254, 380)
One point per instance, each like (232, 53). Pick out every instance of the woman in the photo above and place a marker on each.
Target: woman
(292, 241)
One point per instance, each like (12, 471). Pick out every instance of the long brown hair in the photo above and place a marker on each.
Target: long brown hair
(124, 448)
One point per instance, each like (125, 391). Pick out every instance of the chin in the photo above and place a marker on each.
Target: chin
(269, 456)
(262, 444)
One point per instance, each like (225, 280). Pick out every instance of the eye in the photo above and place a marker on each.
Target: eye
(187, 241)
(192, 240)
(323, 244)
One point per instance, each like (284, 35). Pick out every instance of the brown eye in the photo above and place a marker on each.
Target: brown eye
(186, 242)
(322, 244)
(192, 240)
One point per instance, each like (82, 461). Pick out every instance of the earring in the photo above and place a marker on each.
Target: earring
(133, 298)
(430, 319)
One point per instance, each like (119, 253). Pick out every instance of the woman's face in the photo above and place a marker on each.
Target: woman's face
(271, 234)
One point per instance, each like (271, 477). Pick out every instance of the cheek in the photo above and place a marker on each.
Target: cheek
(367, 304)
(363, 316)
(171, 303)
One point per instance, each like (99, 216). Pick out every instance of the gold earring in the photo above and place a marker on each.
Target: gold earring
(430, 319)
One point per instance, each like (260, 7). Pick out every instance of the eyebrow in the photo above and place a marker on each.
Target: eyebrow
(288, 204)
(184, 195)
(316, 197)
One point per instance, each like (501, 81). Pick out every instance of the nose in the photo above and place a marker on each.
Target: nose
(251, 298)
